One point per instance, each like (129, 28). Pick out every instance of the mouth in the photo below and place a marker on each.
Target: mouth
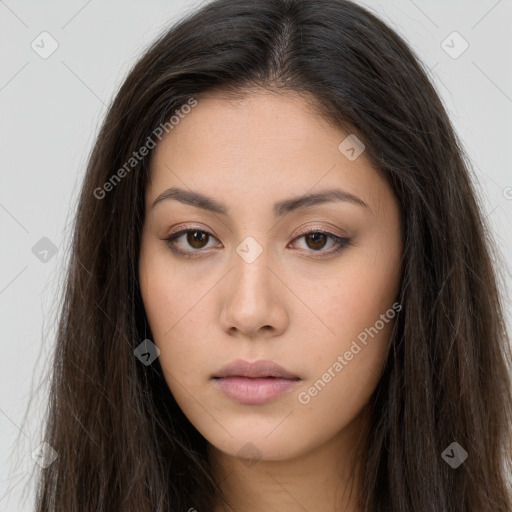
(257, 369)
(254, 383)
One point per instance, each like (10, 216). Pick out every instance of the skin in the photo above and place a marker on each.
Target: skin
(287, 306)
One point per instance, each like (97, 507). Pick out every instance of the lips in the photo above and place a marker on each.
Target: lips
(257, 369)
(254, 383)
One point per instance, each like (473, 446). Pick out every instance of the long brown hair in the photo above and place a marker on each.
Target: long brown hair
(122, 441)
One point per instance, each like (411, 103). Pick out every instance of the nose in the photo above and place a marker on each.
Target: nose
(255, 298)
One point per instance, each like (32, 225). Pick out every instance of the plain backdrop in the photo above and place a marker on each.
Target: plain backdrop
(50, 112)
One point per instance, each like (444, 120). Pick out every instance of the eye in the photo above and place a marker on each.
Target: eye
(317, 240)
(198, 239)
(195, 238)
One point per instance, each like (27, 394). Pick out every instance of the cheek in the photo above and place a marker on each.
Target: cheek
(356, 303)
(176, 313)
(165, 292)
(163, 299)
(358, 310)
(360, 341)
(347, 367)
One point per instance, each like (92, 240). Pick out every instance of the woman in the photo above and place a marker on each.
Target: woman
(281, 294)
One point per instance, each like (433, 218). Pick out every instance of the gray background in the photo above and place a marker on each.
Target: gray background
(50, 110)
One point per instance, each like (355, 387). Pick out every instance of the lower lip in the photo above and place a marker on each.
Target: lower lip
(253, 391)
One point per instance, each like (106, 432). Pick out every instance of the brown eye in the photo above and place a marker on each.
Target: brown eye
(197, 239)
(188, 241)
(317, 243)
(316, 240)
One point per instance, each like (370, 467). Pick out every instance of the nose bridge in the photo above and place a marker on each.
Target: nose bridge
(251, 302)
(251, 261)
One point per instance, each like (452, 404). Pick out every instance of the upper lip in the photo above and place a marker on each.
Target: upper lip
(261, 368)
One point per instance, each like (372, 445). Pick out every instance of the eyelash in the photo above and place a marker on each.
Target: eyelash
(341, 242)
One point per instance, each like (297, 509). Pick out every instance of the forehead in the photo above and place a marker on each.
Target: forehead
(261, 145)
(246, 123)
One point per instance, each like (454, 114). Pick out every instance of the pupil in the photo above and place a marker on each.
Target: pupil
(315, 236)
(195, 238)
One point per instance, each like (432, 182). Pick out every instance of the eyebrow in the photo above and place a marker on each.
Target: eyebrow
(280, 208)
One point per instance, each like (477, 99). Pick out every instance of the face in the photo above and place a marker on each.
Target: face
(309, 285)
